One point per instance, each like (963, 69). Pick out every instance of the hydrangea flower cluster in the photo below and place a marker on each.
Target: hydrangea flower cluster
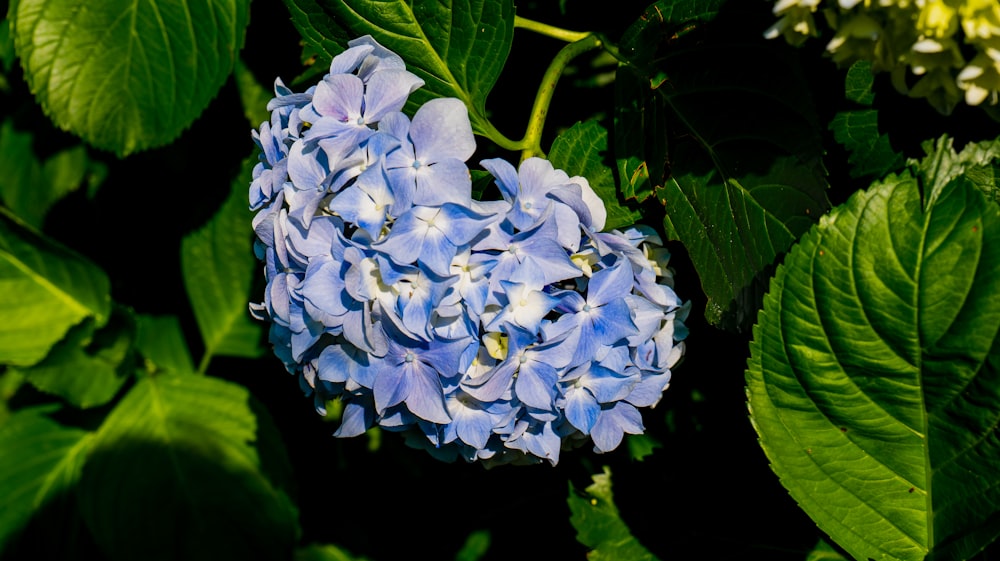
(500, 331)
(942, 50)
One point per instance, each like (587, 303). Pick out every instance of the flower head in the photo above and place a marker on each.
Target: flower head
(495, 331)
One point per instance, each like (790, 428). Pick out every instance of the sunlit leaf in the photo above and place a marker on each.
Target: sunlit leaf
(740, 173)
(160, 340)
(87, 367)
(583, 150)
(174, 473)
(125, 75)
(599, 526)
(218, 265)
(458, 47)
(45, 289)
(41, 466)
(873, 381)
(941, 165)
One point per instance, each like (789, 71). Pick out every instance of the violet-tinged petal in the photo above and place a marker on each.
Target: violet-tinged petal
(358, 416)
(349, 60)
(440, 130)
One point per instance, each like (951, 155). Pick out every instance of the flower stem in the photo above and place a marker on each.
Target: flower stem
(531, 144)
(550, 30)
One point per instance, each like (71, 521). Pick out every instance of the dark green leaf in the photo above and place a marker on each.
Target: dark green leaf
(873, 380)
(218, 265)
(29, 186)
(41, 466)
(871, 154)
(640, 135)
(174, 474)
(458, 47)
(87, 367)
(126, 76)
(825, 552)
(858, 83)
(475, 547)
(583, 150)
(743, 177)
(325, 552)
(599, 526)
(45, 289)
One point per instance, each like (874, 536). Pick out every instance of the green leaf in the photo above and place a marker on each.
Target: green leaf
(582, 150)
(640, 135)
(41, 466)
(28, 186)
(88, 367)
(871, 154)
(458, 47)
(253, 96)
(45, 288)
(10, 382)
(641, 446)
(987, 178)
(219, 267)
(744, 175)
(174, 474)
(325, 552)
(873, 380)
(160, 340)
(126, 76)
(941, 165)
(599, 526)
(825, 552)
(475, 546)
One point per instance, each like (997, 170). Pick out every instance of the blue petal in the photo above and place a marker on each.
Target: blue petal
(392, 384)
(426, 397)
(581, 409)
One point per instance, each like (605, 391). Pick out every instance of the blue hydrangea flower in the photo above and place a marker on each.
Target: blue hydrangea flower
(500, 331)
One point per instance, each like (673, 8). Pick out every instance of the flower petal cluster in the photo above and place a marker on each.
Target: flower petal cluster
(499, 331)
(941, 50)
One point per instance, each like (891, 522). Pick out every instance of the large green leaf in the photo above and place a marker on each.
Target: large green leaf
(127, 75)
(88, 367)
(458, 47)
(873, 380)
(174, 473)
(581, 150)
(45, 289)
(218, 265)
(41, 466)
(743, 176)
(599, 526)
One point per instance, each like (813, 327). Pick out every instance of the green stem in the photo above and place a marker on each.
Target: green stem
(491, 132)
(550, 30)
(531, 144)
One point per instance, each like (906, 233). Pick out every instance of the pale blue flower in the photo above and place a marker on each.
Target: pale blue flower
(497, 331)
